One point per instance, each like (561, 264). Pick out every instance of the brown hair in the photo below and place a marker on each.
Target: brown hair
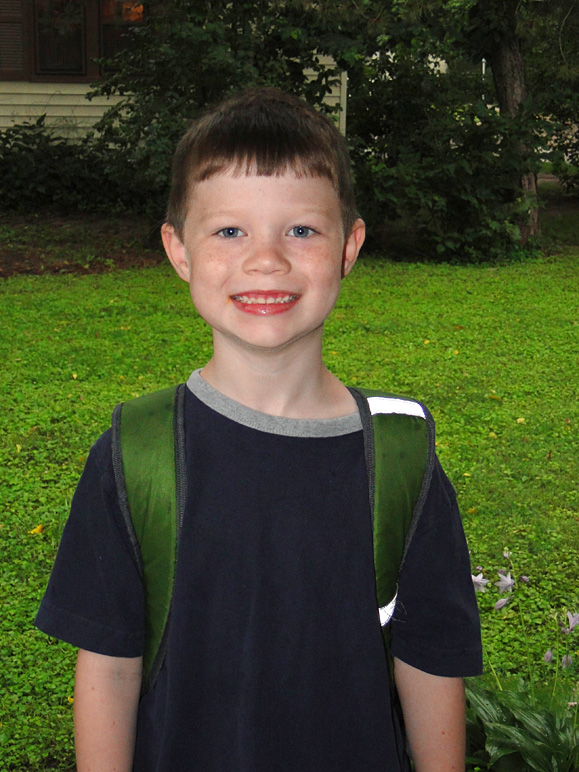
(263, 131)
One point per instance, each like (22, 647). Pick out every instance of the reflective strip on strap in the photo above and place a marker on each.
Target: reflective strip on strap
(393, 405)
(386, 612)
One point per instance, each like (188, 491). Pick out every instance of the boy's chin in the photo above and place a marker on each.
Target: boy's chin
(267, 344)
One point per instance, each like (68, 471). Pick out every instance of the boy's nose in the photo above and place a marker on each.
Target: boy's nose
(266, 257)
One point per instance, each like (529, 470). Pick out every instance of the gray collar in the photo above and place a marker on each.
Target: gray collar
(254, 419)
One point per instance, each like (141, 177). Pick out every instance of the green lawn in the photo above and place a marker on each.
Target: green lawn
(491, 350)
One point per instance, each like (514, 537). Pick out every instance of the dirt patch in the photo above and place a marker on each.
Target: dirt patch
(80, 244)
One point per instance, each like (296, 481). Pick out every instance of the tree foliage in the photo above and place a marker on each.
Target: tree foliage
(435, 146)
(189, 55)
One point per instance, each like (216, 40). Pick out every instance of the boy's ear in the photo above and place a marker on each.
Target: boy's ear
(175, 250)
(353, 246)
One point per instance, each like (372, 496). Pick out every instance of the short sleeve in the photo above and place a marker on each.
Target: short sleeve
(94, 599)
(436, 626)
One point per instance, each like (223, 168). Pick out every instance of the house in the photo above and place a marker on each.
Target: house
(47, 59)
(47, 53)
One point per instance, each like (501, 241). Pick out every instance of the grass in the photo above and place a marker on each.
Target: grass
(491, 350)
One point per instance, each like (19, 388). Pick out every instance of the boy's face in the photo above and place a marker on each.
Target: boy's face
(264, 256)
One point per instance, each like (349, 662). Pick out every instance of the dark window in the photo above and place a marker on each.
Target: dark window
(60, 39)
(12, 31)
(60, 36)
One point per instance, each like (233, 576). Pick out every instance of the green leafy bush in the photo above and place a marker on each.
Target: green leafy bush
(188, 56)
(514, 730)
(40, 170)
(430, 150)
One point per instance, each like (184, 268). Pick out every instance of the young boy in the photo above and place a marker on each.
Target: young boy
(275, 659)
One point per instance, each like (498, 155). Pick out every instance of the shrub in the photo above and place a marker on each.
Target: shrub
(40, 170)
(514, 730)
(438, 157)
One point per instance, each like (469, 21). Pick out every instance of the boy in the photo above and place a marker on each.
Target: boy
(275, 658)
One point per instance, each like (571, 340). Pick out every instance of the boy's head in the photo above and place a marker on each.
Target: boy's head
(266, 132)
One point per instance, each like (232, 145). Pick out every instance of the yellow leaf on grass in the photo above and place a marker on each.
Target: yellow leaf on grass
(38, 529)
(520, 420)
(472, 511)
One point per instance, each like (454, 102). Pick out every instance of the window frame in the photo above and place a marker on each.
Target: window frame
(92, 43)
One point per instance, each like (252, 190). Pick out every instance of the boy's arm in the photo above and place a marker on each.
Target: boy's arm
(434, 718)
(106, 697)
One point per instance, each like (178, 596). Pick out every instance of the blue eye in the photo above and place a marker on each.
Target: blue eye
(229, 233)
(302, 231)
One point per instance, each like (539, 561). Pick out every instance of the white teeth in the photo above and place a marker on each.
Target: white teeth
(264, 301)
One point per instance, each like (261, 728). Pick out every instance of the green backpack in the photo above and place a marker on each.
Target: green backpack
(149, 462)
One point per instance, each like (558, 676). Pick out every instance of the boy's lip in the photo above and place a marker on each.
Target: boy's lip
(265, 302)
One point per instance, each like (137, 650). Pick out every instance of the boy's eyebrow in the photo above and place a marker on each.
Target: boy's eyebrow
(302, 210)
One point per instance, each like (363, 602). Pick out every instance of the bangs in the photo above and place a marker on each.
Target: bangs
(264, 150)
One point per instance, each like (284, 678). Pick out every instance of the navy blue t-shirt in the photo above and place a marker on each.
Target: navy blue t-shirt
(275, 659)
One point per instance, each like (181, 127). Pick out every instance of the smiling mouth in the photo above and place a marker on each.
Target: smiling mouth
(267, 300)
(265, 303)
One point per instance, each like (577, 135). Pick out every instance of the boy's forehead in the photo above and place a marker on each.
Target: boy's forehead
(229, 183)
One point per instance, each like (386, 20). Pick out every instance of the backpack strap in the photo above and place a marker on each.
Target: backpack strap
(399, 448)
(149, 465)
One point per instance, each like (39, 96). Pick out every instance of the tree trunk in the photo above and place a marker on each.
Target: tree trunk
(508, 69)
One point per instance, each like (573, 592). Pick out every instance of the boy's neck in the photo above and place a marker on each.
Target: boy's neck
(281, 384)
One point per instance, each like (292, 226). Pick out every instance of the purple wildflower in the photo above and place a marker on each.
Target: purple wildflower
(479, 582)
(567, 660)
(505, 583)
(573, 622)
(525, 579)
(501, 603)
(548, 655)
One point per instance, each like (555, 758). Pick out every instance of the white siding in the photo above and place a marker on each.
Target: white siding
(67, 111)
(339, 93)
